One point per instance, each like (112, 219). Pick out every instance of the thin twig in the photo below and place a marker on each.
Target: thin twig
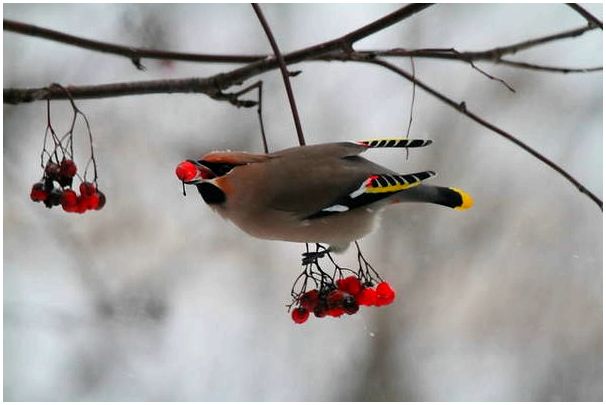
(283, 70)
(462, 108)
(543, 68)
(591, 19)
(493, 54)
(133, 53)
(260, 115)
(259, 87)
(412, 101)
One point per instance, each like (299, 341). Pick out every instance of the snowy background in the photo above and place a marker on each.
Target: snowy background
(157, 298)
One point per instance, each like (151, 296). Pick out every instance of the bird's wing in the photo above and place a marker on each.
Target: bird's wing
(352, 148)
(315, 184)
(374, 188)
(323, 150)
(306, 180)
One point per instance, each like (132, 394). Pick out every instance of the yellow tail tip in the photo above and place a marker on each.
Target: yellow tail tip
(466, 198)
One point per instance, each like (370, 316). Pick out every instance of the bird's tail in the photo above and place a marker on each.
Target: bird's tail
(447, 196)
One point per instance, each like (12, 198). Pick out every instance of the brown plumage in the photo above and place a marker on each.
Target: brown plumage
(323, 193)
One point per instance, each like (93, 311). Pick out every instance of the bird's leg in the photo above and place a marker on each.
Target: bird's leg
(312, 257)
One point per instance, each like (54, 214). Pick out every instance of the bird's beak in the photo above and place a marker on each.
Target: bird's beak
(193, 172)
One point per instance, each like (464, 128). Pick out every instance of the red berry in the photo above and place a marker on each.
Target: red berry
(335, 299)
(320, 310)
(300, 315)
(70, 208)
(350, 304)
(350, 285)
(186, 171)
(81, 206)
(54, 198)
(335, 312)
(38, 193)
(69, 200)
(367, 296)
(309, 300)
(87, 188)
(101, 200)
(52, 170)
(67, 168)
(385, 294)
(92, 201)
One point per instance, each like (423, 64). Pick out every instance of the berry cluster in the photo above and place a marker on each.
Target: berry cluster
(55, 189)
(59, 169)
(341, 293)
(345, 297)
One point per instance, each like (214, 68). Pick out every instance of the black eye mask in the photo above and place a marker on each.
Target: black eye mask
(219, 169)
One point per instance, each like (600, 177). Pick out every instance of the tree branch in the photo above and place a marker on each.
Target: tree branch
(340, 48)
(135, 54)
(557, 69)
(213, 85)
(206, 86)
(283, 70)
(591, 19)
(337, 49)
(493, 54)
(328, 51)
(132, 53)
(462, 108)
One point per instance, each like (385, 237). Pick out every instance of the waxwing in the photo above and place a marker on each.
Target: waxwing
(324, 193)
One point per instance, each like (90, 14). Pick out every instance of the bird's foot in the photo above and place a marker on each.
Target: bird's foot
(312, 257)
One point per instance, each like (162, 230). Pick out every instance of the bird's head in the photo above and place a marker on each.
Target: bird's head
(206, 174)
(201, 173)
(194, 172)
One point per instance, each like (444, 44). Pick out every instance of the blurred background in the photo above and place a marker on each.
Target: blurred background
(157, 298)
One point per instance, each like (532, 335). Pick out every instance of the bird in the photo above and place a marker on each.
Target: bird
(323, 193)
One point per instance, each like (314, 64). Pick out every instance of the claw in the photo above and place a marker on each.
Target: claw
(312, 257)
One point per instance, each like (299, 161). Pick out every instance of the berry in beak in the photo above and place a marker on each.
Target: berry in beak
(192, 172)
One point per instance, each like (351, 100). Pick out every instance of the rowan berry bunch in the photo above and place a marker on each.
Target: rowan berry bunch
(56, 187)
(337, 294)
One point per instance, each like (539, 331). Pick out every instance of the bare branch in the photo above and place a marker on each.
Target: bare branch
(493, 54)
(213, 85)
(384, 22)
(591, 19)
(132, 53)
(206, 86)
(336, 49)
(543, 68)
(462, 108)
(283, 70)
(497, 53)
(135, 54)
